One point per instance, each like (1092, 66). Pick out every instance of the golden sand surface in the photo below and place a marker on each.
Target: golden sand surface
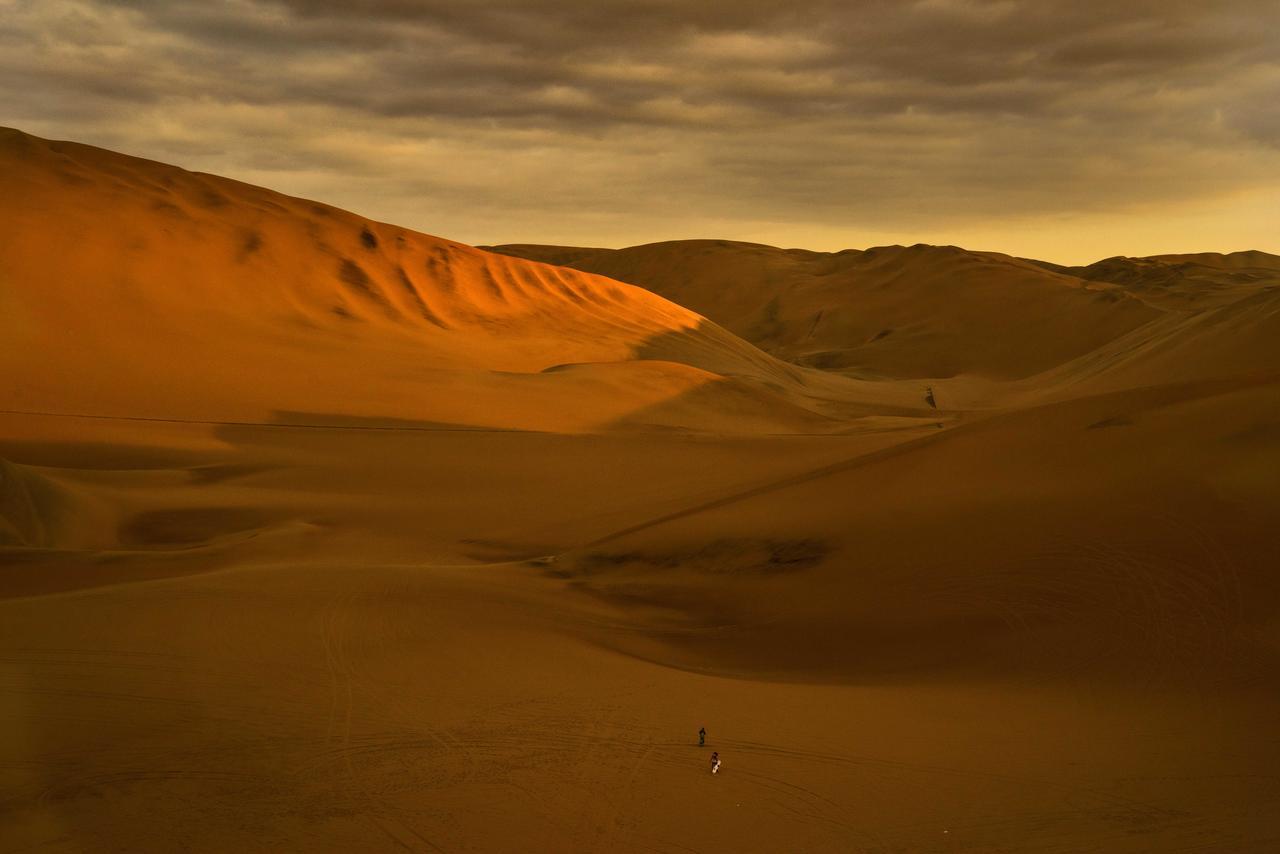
(321, 534)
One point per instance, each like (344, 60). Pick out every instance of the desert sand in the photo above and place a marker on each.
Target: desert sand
(317, 533)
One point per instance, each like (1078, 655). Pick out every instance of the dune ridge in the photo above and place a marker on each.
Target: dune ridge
(130, 262)
(889, 312)
(925, 312)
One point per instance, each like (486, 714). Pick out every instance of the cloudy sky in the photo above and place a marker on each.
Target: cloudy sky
(1063, 129)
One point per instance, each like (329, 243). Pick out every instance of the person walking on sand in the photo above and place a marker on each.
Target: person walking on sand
(715, 763)
(702, 736)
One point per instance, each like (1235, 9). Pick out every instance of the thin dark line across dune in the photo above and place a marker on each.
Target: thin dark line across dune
(1180, 392)
(791, 480)
(409, 428)
(402, 428)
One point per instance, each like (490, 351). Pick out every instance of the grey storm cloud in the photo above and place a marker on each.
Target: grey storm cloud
(612, 121)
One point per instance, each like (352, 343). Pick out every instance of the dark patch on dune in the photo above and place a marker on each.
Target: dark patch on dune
(423, 309)
(341, 421)
(218, 473)
(493, 551)
(882, 334)
(1113, 421)
(74, 178)
(368, 238)
(188, 526)
(168, 208)
(720, 557)
(99, 456)
(572, 293)
(1265, 433)
(678, 605)
(30, 507)
(791, 555)
(342, 312)
(354, 276)
(827, 360)
(770, 323)
(813, 327)
(439, 269)
(18, 557)
(317, 239)
(251, 243)
(212, 199)
(492, 284)
(268, 206)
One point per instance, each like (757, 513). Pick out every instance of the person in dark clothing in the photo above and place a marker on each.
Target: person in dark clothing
(702, 736)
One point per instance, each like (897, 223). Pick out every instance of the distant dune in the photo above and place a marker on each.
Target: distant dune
(1185, 282)
(903, 312)
(921, 311)
(317, 533)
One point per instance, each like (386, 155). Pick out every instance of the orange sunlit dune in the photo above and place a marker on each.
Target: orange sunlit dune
(318, 533)
(333, 314)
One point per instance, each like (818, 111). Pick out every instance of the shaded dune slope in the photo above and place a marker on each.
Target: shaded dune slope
(1125, 535)
(1100, 506)
(892, 311)
(1184, 282)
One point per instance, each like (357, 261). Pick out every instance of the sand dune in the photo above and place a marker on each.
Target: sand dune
(1185, 282)
(141, 289)
(892, 311)
(1124, 534)
(985, 329)
(320, 534)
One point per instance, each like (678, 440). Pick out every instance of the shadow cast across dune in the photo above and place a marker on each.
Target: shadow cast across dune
(1026, 546)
